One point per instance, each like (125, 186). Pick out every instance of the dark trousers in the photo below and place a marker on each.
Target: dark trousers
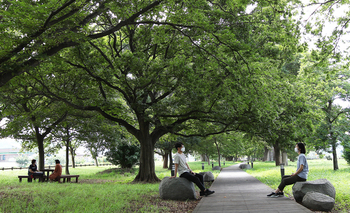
(36, 175)
(197, 179)
(289, 180)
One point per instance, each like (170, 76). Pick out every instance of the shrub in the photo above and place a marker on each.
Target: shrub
(123, 154)
(346, 154)
(22, 160)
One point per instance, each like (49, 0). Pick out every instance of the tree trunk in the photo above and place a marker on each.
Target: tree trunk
(40, 141)
(285, 158)
(335, 158)
(266, 154)
(72, 154)
(277, 154)
(147, 172)
(96, 161)
(67, 157)
(165, 159)
(208, 159)
(218, 149)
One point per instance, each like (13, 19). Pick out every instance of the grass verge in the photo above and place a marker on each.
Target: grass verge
(100, 189)
(269, 174)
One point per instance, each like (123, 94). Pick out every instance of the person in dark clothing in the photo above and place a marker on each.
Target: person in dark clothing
(33, 171)
(184, 171)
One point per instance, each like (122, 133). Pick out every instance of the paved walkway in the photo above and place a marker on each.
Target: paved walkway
(238, 192)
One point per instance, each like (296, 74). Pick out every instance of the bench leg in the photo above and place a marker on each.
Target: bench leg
(20, 179)
(76, 180)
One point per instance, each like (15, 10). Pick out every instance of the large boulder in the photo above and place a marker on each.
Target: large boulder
(216, 168)
(321, 185)
(244, 166)
(318, 202)
(207, 176)
(177, 189)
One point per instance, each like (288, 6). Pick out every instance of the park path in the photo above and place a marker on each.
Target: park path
(238, 192)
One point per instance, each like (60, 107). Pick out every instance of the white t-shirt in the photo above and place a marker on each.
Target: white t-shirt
(180, 159)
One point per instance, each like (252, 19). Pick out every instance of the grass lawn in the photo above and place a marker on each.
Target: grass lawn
(100, 189)
(269, 174)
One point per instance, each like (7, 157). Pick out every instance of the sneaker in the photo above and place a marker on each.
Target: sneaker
(208, 192)
(272, 193)
(201, 193)
(278, 194)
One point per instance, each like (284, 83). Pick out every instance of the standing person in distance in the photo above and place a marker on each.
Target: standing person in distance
(298, 176)
(184, 170)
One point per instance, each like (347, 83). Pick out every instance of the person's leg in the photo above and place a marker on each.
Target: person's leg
(193, 179)
(288, 181)
(200, 177)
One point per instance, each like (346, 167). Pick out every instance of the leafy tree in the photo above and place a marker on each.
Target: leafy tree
(166, 66)
(124, 154)
(22, 160)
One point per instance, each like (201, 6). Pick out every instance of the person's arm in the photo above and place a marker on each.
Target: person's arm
(190, 169)
(175, 172)
(299, 170)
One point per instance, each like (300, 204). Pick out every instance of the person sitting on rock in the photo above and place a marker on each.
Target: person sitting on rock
(57, 172)
(298, 176)
(184, 171)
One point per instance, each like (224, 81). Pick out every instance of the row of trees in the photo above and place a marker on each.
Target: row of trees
(100, 71)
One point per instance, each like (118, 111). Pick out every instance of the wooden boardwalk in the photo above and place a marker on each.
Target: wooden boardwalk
(238, 192)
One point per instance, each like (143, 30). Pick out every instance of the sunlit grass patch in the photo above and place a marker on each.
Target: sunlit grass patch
(270, 174)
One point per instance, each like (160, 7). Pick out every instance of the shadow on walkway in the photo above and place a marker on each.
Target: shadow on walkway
(238, 192)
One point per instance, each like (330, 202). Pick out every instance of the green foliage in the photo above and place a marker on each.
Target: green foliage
(22, 160)
(346, 152)
(123, 154)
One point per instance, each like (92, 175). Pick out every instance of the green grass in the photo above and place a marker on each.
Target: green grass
(269, 174)
(111, 193)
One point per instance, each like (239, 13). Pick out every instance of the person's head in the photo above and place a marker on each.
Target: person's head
(178, 146)
(33, 161)
(57, 161)
(300, 147)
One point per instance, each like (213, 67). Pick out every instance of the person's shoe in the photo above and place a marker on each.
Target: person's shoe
(202, 193)
(278, 194)
(208, 192)
(272, 193)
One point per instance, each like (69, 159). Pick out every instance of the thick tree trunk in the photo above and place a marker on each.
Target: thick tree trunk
(335, 158)
(40, 141)
(165, 159)
(266, 154)
(147, 172)
(208, 159)
(96, 161)
(277, 154)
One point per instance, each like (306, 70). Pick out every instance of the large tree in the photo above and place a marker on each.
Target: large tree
(170, 67)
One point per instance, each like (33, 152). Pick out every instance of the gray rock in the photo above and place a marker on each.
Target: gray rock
(244, 166)
(318, 202)
(216, 168)
(207, 176)
(177, 189)
(321, 185)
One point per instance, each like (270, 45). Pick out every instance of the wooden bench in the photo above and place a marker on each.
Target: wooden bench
(41, 179)
(68, 177)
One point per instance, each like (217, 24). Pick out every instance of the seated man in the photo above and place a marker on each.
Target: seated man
(184, 170)
(57, 172)
(33, 171)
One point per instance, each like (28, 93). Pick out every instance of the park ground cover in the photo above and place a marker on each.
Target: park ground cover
(269, 174)
(100, 189)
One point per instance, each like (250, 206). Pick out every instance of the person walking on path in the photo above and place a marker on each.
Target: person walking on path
(57, 172)
(299, 175)
(184, 170)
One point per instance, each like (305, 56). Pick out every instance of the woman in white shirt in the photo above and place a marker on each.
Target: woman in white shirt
(299, 175)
